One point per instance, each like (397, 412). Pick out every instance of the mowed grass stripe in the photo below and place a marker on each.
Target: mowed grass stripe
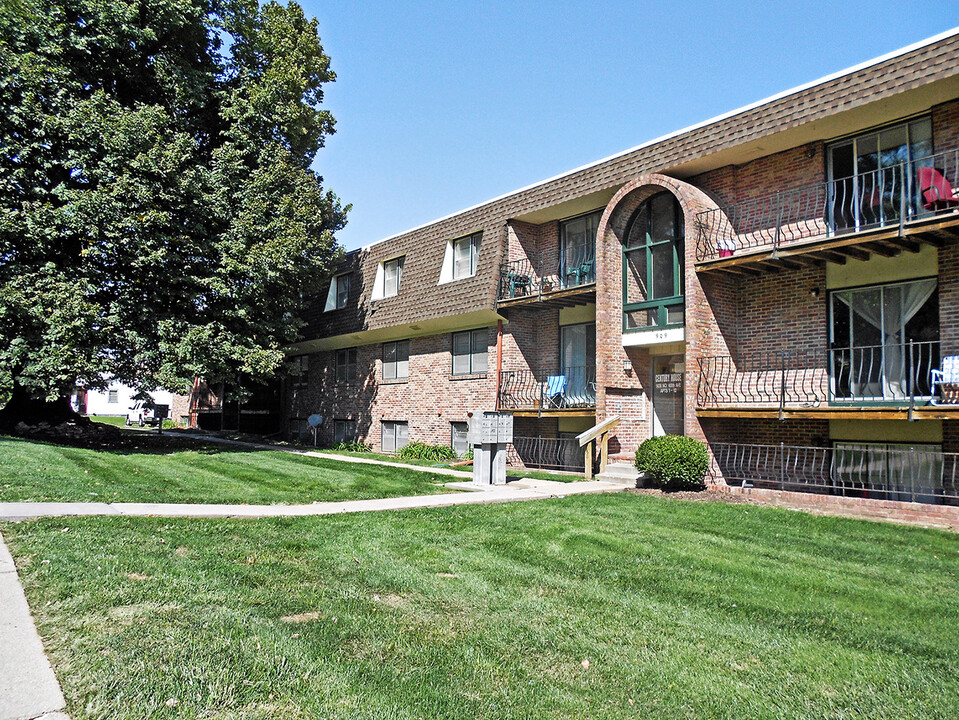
(34, 471)
(683, 610)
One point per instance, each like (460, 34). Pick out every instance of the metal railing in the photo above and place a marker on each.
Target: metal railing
(894, 373)
(886, 197)
(910, 474)
(520, 278)
(569, 387)
(548, 453)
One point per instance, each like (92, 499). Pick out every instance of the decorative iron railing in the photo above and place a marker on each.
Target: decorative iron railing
(886, 197)
(569, 387)
(890, 374)
(520, 278)
(883, 472)
(548, 453)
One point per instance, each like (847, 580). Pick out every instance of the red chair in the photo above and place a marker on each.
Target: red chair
(937, 193)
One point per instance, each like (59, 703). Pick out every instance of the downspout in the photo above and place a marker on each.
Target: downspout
(499, 357)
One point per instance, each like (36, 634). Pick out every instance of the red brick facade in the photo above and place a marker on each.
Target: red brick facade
(776, 307)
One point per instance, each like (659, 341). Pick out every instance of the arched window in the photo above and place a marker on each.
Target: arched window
(653, 265)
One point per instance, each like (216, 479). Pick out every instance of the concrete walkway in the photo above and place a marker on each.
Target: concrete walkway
(28, 687)
(525, 489)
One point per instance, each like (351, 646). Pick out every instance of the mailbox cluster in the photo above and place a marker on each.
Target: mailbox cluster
(490, 433)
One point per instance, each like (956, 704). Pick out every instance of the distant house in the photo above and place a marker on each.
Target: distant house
(117, 398)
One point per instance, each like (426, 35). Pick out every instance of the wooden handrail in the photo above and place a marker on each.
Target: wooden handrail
(588, 437)
(597, 430)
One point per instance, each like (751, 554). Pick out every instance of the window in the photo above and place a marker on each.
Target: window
(339, 294)
(392, 273)
(465, 254)
(344, 431)
(872, 177)
(884, 340)
(469, 352)
(653, 257)
(577, 249)
(388, 276)
(459, 443)
(578, 364)
(301, 369)
(346, 365)
(112, 396)
(394, 435)
(396, 360)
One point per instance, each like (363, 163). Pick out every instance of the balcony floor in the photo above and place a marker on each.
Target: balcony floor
(553, 412)
(835, 412)
(885, 241)
(564, 297)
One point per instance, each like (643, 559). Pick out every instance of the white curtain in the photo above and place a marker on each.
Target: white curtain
(897, 306)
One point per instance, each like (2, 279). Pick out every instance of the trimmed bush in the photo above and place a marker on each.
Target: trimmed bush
(673, 462)
(422, 451)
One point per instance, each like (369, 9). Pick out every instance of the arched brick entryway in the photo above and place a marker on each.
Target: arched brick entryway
(626, 392)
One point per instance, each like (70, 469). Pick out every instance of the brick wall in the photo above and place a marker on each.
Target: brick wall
(429, 400)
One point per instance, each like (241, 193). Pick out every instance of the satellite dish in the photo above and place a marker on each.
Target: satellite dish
(314, 420)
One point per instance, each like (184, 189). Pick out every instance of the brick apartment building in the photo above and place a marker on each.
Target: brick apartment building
(781, 282)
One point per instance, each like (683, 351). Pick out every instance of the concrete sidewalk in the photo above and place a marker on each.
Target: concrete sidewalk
(28, 688)
(525, 489)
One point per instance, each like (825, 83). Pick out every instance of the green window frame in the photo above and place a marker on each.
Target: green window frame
(654, 266)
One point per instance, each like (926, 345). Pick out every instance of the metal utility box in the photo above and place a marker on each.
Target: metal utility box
(489, 433)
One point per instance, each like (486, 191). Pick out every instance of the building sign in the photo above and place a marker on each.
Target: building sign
(669, 384)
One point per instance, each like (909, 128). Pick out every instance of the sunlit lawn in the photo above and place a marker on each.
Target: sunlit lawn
(592, 606)
(36, 471)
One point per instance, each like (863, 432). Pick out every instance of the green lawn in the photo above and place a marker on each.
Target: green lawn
(513, 473)
(35, 471)
(682, 610)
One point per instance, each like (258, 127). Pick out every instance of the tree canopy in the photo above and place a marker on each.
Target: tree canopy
(159, 218)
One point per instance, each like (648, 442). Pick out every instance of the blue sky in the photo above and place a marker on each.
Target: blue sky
(443, 105)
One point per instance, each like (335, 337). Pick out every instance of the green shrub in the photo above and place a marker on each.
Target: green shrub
(673, 462)
(352, 446)
(422, 451)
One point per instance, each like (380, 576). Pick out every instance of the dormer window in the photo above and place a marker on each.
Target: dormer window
(465, 253)
(388, 277)
(339, 293)
(460, 259)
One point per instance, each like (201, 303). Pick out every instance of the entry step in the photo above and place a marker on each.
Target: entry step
(620, 472)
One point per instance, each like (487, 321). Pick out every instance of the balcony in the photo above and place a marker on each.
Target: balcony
(884, 211)
(560, 284)
(569, 391)
(892, 381)
(878, 471)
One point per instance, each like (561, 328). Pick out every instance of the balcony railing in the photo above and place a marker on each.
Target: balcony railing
(883, 472)
(887, 197)
(519, 278)
(569, 387)
(896, 374)
(548, 453)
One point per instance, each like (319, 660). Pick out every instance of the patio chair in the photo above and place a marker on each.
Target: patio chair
(554, 394)
(937, 193)
(519, 283)
(580, 274)
(947, 378)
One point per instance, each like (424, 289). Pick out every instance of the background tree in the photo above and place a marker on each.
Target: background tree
(159, 219)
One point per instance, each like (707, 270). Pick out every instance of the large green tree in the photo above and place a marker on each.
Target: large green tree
(159, 218)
